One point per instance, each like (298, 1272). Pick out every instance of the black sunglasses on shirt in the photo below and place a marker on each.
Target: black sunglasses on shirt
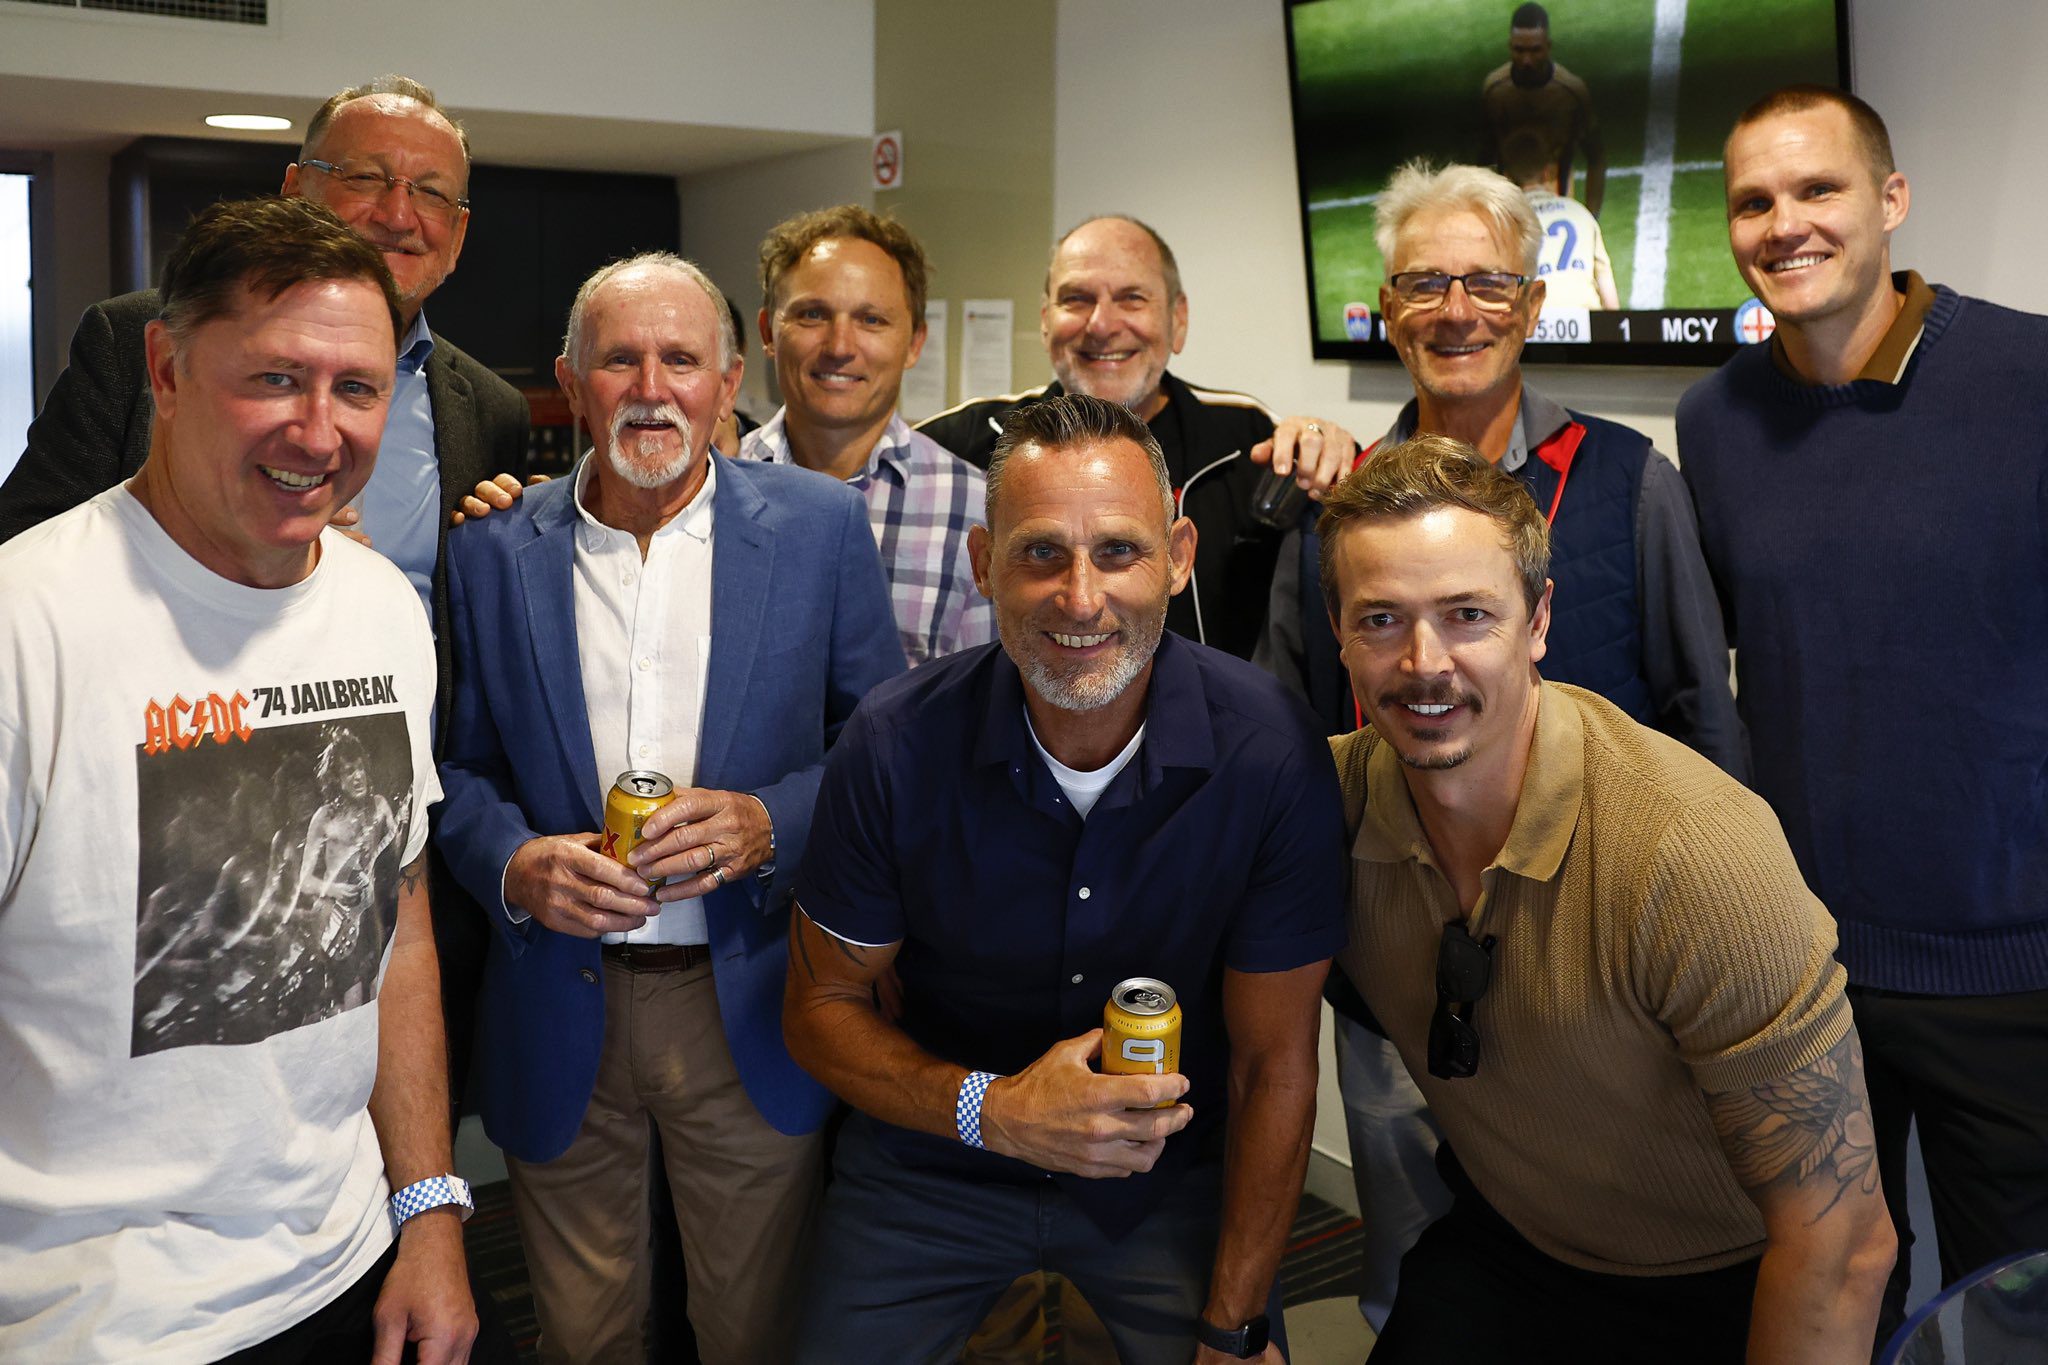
(1464, 969)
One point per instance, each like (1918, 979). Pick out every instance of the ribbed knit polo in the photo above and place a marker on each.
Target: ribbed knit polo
(1882, 556)
(1655, 941)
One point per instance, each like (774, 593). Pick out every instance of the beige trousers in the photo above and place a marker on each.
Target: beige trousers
(745, 1195)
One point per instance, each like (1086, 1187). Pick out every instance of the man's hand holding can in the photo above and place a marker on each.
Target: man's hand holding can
(1059, 1113)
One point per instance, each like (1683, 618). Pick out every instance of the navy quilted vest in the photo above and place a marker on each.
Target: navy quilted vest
(1596, 621)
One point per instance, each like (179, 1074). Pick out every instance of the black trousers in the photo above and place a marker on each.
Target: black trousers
(342, 1333)
(1474, 1291)
(1972, 1070)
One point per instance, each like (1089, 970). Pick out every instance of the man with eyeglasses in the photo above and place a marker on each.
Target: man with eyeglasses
(1870, 484)
(1595, 954)
(1636, 618)
(394, 167)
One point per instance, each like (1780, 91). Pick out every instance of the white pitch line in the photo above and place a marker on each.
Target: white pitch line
(1660, 145)
(1613, 173)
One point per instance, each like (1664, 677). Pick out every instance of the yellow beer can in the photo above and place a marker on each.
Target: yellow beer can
(1141, 1030)
(636, 795)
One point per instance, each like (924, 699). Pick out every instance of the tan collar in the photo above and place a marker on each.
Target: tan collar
(1553, 789)
(1887, 364)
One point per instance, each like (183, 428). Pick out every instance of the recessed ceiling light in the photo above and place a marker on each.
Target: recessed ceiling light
(252, 123)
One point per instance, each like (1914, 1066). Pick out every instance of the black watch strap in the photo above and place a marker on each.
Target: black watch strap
(1243, 1341)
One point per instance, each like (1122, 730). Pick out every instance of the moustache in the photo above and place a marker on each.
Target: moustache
(1441, 694)
(627, 413)
(410, 243)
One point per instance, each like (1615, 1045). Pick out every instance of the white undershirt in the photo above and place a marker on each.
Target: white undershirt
(643, 634)
(1081, 788)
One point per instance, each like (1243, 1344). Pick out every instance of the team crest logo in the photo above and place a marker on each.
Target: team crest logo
(1753, 322)
(1358, 322)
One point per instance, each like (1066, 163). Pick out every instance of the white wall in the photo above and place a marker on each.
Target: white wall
(1959, 87)
(803, 65)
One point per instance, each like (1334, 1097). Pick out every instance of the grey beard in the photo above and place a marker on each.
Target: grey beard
(648, 446)
(1090, 690)
(1146, 385)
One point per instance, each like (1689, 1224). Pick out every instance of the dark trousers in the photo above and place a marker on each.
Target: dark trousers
(908, 1260)
(342, 1332)
(1474, 1290)
(1972, 1070)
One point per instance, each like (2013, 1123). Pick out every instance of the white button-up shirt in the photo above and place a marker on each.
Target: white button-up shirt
(643, 634)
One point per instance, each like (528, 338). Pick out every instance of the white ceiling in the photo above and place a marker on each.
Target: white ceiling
(43, 114)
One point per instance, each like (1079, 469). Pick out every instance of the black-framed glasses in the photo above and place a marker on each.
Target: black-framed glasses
(367, 182)
(1493, 290)
(1464, 969)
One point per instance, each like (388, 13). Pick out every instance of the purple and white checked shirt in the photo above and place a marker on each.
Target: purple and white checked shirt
(921, 500)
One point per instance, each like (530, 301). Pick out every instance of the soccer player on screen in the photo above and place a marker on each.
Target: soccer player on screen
(1531, 91)
(1573, 264)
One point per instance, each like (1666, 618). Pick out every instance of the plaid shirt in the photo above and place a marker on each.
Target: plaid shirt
(921, 500)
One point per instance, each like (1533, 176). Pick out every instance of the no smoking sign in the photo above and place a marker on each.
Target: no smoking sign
(887, 161)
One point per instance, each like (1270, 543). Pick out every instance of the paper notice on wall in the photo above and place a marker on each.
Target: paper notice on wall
(924, 384)
(985, 326)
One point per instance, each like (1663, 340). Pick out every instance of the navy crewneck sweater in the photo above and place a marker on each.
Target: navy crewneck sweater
(1883, 564)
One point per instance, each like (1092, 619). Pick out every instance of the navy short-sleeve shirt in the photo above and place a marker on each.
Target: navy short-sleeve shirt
(1221, 844)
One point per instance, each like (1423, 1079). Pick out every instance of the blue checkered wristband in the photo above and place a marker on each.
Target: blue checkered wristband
(967, 1109)
(431, 1193)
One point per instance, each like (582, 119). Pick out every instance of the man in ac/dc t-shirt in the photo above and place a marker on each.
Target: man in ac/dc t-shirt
(219, 1004)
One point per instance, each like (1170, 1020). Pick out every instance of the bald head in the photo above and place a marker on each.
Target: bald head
(1114, 313)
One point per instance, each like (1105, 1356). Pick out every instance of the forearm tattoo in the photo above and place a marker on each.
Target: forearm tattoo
(413, 875)
(803, 947)
(852, 952)
(1810, 1131)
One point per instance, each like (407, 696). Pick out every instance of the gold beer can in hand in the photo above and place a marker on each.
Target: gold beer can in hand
(636, 795)
(1141, 1031)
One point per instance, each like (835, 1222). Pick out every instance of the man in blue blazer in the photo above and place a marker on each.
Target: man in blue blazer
(663, 609)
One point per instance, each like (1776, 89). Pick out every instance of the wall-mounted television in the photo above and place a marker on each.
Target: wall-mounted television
(1613, 111)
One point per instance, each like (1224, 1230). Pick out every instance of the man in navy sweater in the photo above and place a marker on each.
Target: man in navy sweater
(1873, 502)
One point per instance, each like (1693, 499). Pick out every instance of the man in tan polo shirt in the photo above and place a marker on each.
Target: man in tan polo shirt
(1595, 954)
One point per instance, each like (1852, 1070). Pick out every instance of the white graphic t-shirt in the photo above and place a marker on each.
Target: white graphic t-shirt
(206, 794)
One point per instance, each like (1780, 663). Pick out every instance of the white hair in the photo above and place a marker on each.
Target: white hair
(1419, 187)
(573, 339)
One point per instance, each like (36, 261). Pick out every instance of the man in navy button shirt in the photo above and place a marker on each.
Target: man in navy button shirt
(1014, 830)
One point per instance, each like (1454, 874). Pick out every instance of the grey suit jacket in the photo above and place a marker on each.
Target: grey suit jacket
(93, 432)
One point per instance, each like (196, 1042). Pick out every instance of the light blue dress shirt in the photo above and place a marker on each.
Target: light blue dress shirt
(401, 507)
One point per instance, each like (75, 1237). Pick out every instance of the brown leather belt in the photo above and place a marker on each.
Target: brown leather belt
(657, 957)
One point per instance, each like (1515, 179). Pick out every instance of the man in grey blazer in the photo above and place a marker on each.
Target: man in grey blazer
(394, 167)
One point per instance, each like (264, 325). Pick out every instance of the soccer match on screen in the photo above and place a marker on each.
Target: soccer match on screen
(1609, 113)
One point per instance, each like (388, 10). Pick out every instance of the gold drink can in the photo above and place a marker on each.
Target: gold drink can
(1141, 1030)
(636, 795)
